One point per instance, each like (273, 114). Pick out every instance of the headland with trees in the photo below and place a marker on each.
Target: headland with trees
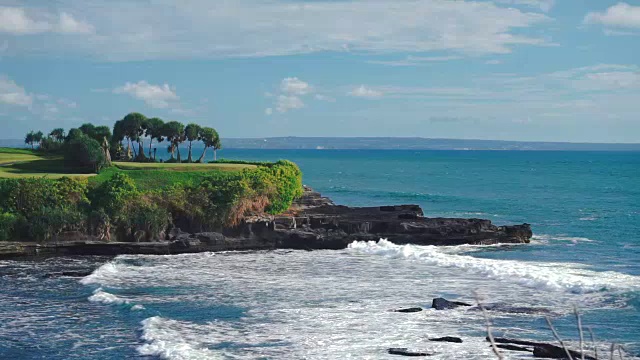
(108, 183)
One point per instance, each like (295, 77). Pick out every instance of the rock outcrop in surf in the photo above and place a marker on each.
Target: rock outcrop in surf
(313, 222)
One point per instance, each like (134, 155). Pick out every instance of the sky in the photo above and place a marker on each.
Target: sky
(533, 70)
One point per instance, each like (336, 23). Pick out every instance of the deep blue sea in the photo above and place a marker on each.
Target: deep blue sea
(583, 207)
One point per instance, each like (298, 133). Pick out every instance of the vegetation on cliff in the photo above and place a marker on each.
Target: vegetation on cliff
(67, 183)
(114, 205)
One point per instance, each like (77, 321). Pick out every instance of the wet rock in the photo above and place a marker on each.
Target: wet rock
(451, 339)
(444, 304)
(544, 350)
(68, 274)
(407, 352)
(409, 310)
(517, 309)
(513, 347)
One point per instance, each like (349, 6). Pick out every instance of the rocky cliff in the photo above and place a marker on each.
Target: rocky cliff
(312, 223)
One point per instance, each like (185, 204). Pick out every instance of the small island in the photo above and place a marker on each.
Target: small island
(90, 192)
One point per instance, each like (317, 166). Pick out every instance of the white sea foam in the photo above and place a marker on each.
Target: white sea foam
(548, 276)
(107, 270)
(101, 296)
(168, 339)
(544, 238)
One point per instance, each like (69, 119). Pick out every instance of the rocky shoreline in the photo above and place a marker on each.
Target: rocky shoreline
(313, 223)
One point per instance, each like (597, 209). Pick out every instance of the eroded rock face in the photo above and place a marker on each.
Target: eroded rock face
(444, 304)
(312, 223)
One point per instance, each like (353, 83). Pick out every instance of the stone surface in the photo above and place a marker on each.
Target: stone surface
(409, 310)
(407, 352)
(451, 339)
(444, 304)
(312, 223)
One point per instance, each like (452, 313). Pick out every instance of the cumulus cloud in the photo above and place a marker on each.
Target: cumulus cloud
(544, 5)
(178, 29)
(156, 96)
(285, 103)
(365, 92)
(619, 15)
(416, 60)
(290, 95)
(295, 86)
(13, 94)
(16, 21)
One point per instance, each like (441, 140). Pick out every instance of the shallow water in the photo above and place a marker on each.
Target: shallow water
(336, 304)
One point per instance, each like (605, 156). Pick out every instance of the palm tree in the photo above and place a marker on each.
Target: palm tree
(173, 131)
(154, 131)
(210, 138)
(29, 139)
(57, 134)
(192, 133)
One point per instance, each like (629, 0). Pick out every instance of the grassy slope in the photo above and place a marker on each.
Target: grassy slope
(17, 163)
(155, 175)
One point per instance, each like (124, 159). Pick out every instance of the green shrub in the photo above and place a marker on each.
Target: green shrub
(113, 194)
(7, 226)
(84, 154)
(144, 220)
(49, 222)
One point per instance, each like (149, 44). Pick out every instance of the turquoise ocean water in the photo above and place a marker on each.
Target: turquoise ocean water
(583, 207)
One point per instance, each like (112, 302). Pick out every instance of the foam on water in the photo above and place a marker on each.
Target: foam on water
(167, 339)
(548, 276)
(101, 296)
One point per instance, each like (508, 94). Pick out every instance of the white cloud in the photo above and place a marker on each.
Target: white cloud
(17, 21)
(544, 5)
(326, 98)
(178, 29)
(13, 94)
(285, 103)
(268, 111)
(69, 25)
(295, 86)
(415, 60)
(156, 96)
(493, 62)
(619, 15)
(365, 92)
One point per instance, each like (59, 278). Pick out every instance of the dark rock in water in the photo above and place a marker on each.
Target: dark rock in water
(444, 304)
(544, 350)
(513, 347)
(312, 223)
(68, 274)
(409, 310)
(452, 339)
(548, 351)
(517, 309)
(407, 352)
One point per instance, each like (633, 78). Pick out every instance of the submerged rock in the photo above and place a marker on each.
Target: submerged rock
(542, 350)
(407, 352)
(451, 339)
(409, 310)
(444, 304)
(513, 348)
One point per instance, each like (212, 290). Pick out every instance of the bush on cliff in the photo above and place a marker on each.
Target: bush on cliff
(85, 154)
(42, 209)
(7, 224)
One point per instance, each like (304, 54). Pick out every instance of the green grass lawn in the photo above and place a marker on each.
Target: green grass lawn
(182, 166)
(18, 163)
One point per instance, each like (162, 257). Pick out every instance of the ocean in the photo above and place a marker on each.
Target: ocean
(583, 208)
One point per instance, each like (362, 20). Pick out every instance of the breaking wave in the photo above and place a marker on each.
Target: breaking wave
(547, 276)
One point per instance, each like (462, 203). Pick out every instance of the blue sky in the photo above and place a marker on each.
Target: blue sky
(563, 70)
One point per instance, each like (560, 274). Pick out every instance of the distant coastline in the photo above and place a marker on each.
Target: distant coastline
(399, 143)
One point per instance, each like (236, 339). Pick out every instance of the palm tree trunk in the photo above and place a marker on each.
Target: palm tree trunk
(150, 142)
(178, 147)
(135, 155)
(215, 154)
(31, 146)
(202, 156)
(189, 159)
